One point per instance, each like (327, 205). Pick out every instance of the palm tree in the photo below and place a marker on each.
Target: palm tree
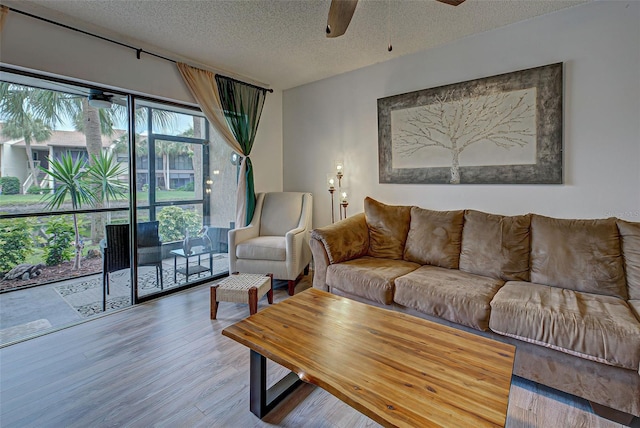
(70, 178)
(104, 173)
(28, 108)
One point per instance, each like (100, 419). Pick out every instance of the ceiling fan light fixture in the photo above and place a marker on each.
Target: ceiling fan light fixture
(99, 100)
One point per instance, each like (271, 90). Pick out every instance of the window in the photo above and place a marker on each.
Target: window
(182, 161)
(174, 185)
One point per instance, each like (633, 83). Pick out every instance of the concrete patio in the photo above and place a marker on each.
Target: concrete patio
(30, 312)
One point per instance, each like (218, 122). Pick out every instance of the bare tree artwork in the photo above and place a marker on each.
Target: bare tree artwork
(507, 120)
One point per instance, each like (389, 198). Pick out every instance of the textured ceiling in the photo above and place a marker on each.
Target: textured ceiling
(281, 43)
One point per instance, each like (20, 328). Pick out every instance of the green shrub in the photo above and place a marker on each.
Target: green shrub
(187, 187)
(10, 185)
(36, 190)
(175, 220)
(16, 243)
(59, 246)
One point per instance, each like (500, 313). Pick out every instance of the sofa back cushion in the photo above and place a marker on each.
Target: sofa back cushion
(388, 227)
(496, 246)
(434, 238)
(581, 255)
(630, 234)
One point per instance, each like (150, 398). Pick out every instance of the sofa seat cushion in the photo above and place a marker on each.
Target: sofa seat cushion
(368, 277)
(595, 327)
(456, 296)
(263, 248)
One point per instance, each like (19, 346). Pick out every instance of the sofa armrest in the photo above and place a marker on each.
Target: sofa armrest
(345, 240)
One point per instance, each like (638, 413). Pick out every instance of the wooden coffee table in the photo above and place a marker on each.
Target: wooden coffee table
(397, 369)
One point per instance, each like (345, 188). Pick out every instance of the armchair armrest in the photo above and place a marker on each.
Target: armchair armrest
(294, 240)
(236, 236)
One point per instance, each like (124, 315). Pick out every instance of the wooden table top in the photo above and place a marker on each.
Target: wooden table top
(397, 369)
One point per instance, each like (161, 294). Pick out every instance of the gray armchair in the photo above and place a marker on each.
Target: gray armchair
(277, 240)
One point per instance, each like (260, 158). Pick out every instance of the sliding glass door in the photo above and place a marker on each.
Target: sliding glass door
(177, 244)
(157, 166)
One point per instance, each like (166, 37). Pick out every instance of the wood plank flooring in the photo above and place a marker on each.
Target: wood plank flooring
(165, 364)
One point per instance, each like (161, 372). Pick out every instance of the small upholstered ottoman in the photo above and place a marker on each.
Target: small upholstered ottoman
(242, 288)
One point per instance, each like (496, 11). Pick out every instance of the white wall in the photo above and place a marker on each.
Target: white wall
(42, 47)
(599, 44)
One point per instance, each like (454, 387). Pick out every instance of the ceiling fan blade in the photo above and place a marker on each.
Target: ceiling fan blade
(340, 14)
(452, 2)
(121, 101)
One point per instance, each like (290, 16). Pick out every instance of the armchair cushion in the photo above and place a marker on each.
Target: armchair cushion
(280, 214)
(263, 248)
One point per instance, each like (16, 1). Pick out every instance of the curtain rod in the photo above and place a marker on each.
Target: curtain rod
(245, 83)
(139, 51)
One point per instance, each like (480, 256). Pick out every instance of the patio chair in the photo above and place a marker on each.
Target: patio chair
(115, 250)
(115, 255)
(150, 248)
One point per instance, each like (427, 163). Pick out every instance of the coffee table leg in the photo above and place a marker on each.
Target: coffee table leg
(270, 292)
(259, 404)
(214, 303)
(253, 300)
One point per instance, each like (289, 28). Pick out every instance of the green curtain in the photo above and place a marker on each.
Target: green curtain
(242, 104)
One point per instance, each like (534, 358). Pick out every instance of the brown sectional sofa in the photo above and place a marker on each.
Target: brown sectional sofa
(565, 292)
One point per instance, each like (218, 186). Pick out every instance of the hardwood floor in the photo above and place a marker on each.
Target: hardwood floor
(165, 364)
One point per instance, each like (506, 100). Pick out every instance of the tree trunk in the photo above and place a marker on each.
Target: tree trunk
(197, 164)
(165, 171)
(78, 245)
(93, 138)
(455, 167)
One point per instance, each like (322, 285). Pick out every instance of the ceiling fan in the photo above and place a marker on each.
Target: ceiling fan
(100, 99)
(97, 98)
(341, 12)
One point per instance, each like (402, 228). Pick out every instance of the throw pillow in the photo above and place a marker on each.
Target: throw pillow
(581, 255)
(434, 237)
(496, 246)
(388, 227)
